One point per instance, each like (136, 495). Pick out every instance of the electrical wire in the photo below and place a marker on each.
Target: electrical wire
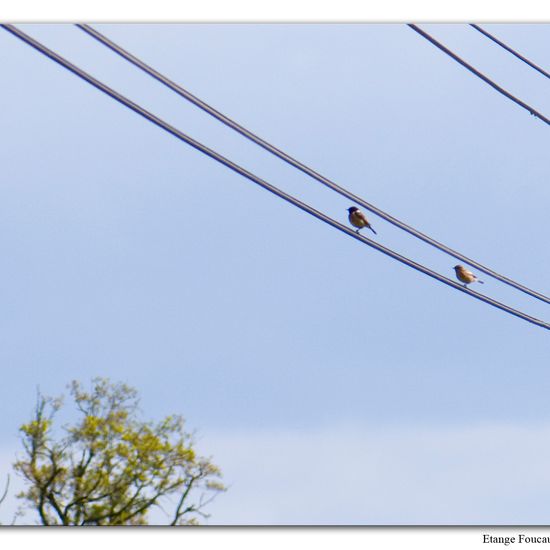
(302, 167)
(508, 49)
(262, 183)
(479, 74)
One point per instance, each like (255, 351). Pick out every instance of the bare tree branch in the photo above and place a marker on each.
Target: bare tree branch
(5, 493)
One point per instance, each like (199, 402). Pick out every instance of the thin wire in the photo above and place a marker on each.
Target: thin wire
(302, 167)
(262, 183)
(508, 49)
(478, 73)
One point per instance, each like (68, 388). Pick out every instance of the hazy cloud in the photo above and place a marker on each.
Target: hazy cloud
(486, 474)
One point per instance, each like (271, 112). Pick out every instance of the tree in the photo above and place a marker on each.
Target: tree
(110, 468)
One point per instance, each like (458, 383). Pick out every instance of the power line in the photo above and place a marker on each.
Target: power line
(302, 167)
(262, 183)
(479, 74)
(507, 48)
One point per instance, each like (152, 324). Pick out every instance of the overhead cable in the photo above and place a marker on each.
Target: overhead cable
(509, 49)
(479, 74)
(262, 183)
(302, 167)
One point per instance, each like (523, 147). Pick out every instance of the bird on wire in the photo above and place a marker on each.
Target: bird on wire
(358, 219)
(465, 276)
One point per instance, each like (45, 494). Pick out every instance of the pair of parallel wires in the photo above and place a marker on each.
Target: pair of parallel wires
(287, 158)
(483, 77)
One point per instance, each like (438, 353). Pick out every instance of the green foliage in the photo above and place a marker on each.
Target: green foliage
(110, 468)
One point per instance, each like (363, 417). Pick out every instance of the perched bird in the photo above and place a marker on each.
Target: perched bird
(465, 276)
(358, 219)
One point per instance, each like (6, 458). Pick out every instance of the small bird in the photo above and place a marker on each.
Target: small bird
(358, 219)
(465, 276)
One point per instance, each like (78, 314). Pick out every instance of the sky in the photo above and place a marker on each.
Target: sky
(331, 384)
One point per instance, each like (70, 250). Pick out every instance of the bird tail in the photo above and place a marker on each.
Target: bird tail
(370, 227)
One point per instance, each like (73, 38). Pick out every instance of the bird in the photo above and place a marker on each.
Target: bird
(358, 219)
(465, 276)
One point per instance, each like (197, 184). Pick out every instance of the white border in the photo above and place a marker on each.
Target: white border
(274, 10)
(267, 11)
(264, 539)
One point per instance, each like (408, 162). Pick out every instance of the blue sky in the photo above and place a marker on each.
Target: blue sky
(304, 360)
